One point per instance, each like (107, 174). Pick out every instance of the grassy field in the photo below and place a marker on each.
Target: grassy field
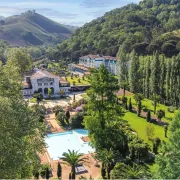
(75, 79)
(139, 124)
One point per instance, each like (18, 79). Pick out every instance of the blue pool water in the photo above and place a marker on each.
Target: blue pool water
(59, 143)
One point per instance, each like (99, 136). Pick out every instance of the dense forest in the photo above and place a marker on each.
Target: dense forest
(151, 25)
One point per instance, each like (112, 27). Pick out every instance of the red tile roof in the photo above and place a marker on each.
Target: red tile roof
(63, 81)
(42, 74)
(98, 56)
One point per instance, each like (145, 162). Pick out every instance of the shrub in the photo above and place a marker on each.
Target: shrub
(57, 109)
(171, 109)
(150, 131)
(138, 148)
(156, 144)
(160, 114)
(61, 118)
(77, 120)
(43, 169)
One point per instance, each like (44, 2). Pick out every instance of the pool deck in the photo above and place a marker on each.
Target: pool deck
(93, 171)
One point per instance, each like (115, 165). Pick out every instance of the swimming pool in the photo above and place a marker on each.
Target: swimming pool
(59, 143)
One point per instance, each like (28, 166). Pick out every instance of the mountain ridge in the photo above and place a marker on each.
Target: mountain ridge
(31, 28)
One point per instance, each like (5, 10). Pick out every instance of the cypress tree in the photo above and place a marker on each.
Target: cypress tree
(130, 105)
(122, 69)
(168, 75)
(103, 171)
(70, 176)
(139, 108)
(148, 116)
(59, 171)
(47, 173)
(155, 74)
(162, 77)
(134, 73)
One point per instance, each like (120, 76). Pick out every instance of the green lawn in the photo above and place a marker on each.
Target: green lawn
(75, 79)
(139, 123)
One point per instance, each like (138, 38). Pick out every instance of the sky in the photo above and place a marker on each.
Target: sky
(69, 12)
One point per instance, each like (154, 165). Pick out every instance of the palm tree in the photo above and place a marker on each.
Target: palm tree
(73, 158)
(134, 172)
(123, 171)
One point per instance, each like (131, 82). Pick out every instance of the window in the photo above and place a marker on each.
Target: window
(46, 84)
(51, 83)
(39, 84)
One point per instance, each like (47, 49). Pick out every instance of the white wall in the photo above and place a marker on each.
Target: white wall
(98, 62)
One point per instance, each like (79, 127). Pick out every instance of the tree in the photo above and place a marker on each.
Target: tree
(148, 116)
(139, 108)
(77, 120)
(39, 111)
(156, 144)
(122, 69)
(59, 171)
(103, 112)
(138, 98)
(155, 75)
(38, 97)
(160, 114)
(22, 135)
(147, 78)
(47, 173)
(130, 105)
(67, 114)
(134, 73)
(165, 130)
(103, 171)
(108, 159)
(124, 101)
(73, 158)
(169, 161)
(20, 58)
(61, 118)
(155, 100)
(150, 131)
(123, 171)
(36, 175)
(57, 109)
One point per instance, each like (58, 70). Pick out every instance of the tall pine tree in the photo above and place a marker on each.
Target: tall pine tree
(134, 73)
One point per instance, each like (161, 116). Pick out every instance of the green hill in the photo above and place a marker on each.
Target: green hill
(144, 27)
(31, 28)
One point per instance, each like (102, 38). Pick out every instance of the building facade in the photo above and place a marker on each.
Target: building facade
(41, 81)
(95, 61)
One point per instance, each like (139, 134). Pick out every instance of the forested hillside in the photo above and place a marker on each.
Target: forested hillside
(145, 27)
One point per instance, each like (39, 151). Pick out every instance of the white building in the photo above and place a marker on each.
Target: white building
(94, 61)
(42, 80)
